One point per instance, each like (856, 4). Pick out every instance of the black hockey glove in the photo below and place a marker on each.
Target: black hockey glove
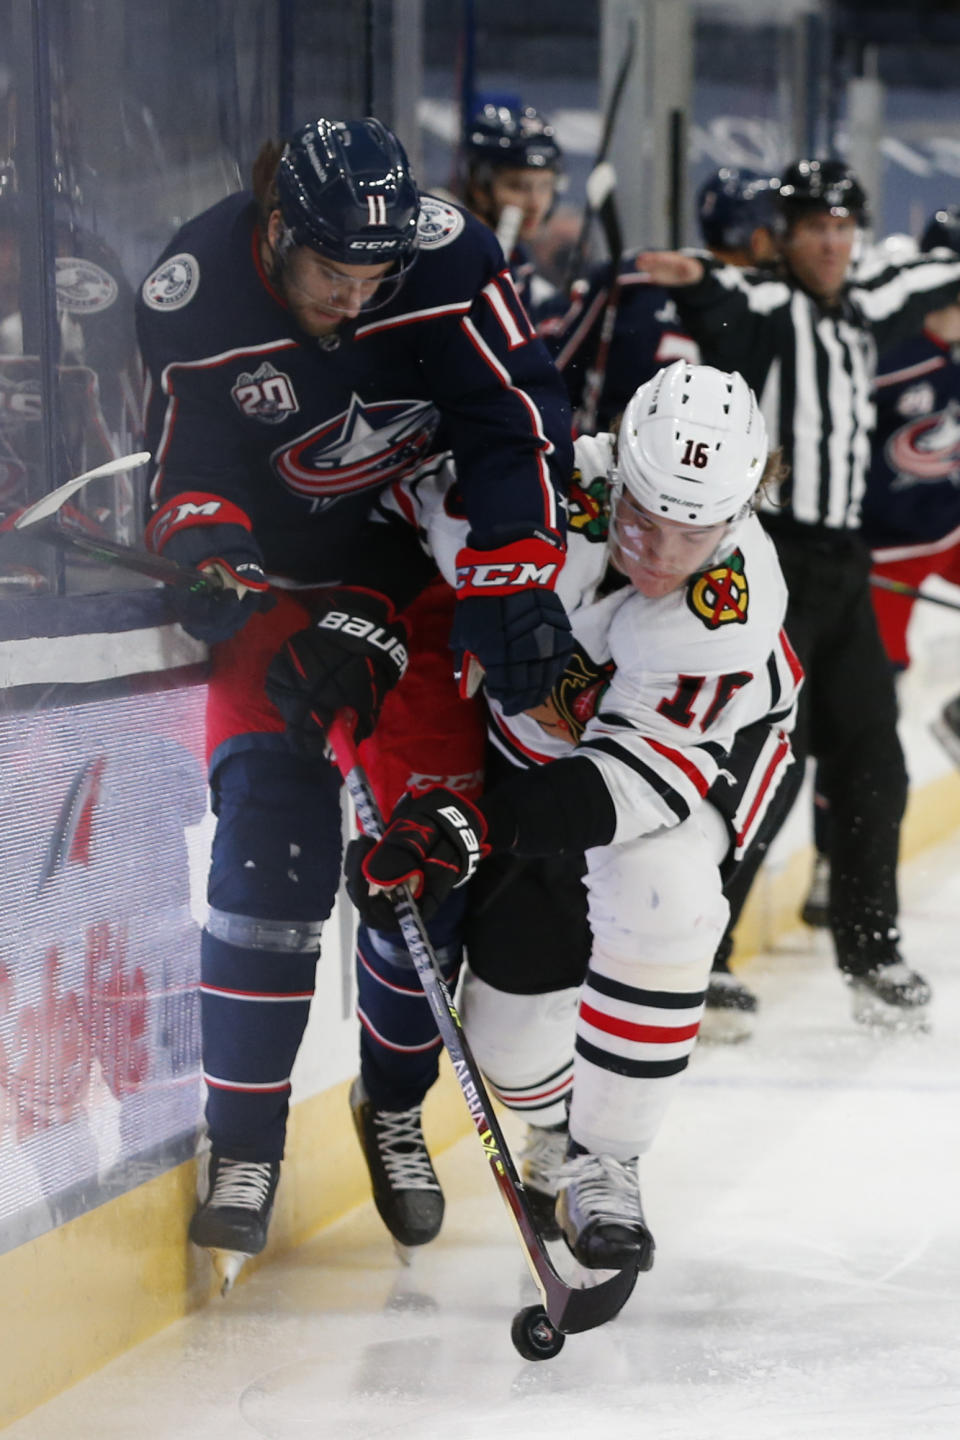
(207, 532)
(433, 842)
(508, 617)
(348, 658)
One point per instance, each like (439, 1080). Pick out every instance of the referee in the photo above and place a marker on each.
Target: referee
(805, 338)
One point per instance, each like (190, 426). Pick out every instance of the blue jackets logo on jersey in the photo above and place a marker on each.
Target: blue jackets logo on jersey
(173, 284)
(927, 449)
(363, 446)
(439, 223)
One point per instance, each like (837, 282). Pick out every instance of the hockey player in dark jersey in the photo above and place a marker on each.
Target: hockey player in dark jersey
(512, 162)
(734, 213)
(911, 510)
(305, 346)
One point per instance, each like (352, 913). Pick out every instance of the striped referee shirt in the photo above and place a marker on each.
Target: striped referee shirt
(813, 367)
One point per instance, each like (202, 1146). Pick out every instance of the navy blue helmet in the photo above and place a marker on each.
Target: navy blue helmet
(511, 135)
(943, 228)
(345, 190)
(732, 203)
(827, 185)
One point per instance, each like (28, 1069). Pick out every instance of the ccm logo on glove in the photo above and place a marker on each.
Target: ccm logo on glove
(507, 571)
(376, 635)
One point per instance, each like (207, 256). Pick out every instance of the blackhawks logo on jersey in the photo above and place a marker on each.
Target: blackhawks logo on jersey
(588, 510)
(577, 693)
(719, 596)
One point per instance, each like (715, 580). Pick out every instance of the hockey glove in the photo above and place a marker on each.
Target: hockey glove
(508, 617)
(348, 658)
(207, 532)
(433, 842)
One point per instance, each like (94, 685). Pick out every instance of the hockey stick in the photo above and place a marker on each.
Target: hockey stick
(585, 421)
(569, 1308)
(899, 587)
(508, 228)
(41, 521)
(49, 504)
(602, 177)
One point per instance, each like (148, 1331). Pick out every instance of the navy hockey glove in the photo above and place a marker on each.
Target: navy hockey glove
(348, 658)
(433, 842)
(508, 617)
(207, 532)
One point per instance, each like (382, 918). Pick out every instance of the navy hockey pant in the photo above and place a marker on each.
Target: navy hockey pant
(274, 872)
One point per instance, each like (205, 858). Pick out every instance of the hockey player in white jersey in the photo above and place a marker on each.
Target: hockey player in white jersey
(667, 738)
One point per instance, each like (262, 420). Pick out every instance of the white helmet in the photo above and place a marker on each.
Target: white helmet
(692, 445)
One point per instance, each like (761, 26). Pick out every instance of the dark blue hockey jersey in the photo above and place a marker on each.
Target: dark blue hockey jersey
(647, 335)
(913, 485)
(301, 433)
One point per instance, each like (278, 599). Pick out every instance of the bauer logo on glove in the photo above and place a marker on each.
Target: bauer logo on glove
(433, 843)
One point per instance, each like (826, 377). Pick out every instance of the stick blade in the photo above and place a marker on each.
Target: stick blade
(48, 505)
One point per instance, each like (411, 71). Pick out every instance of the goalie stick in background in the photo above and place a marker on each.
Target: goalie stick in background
(617, 811)
(307, 345)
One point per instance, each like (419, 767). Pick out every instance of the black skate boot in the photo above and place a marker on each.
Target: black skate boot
(232, 1218)
(890, 995)
(730, 1004)
(946, 728)
(543, 1153)
(598, 1208)
(406, 1191)
(816, 907)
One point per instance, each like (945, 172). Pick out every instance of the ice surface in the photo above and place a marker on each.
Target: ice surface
(804, 1196)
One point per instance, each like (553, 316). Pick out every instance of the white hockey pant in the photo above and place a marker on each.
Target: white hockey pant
(657, 913)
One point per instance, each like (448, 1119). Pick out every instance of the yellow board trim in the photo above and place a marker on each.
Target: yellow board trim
(80, 1295)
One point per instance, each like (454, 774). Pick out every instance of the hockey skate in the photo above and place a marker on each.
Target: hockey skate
(816, 907)
(542, 1156)
(946, 728)
(891, 997)
(232, 1218)
(730, 1006)
(599, 1213)
(406, 1190)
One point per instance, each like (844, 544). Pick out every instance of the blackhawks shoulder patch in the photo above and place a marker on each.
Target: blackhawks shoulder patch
(719, 596)
(588, 511)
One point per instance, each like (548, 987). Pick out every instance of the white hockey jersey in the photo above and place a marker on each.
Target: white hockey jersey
(657, 689)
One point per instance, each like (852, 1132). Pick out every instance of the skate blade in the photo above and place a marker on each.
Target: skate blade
(884, 1019)
(227, 1265)
(404, 1253)
(726, 1027)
